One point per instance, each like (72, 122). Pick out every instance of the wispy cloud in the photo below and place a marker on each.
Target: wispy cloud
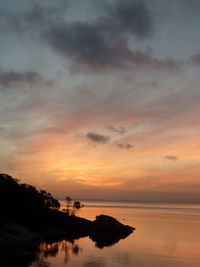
(124, 145)
(171, 157)
(116, 129)
(10, 78)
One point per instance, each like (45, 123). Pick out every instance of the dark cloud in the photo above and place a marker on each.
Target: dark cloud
(171, 157)
(98, 138)
(124, 145)
(132, 17)
(90, 46)
(120, 130)
(194, 4)
(10, 78)
(103, 44)
(96, 45)
(195, 59)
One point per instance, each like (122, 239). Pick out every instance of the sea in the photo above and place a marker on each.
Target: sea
(166, 235)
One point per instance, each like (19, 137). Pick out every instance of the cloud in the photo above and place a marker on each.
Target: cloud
(98, 138)
(195, 59)
(120, 130)
(171, 157)
(97, 45)
(10, 78)
(124, 145)
(131, 17)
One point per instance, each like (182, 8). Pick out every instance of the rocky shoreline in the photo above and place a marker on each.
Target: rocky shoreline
(29, 216)
(18, 241)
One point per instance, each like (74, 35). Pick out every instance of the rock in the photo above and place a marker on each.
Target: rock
(106, 231)
(19, 242)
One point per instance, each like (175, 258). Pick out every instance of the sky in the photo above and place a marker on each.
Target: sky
(101, 99)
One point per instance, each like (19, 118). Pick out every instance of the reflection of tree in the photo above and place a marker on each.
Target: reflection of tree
(70, 247)
(50, 249)
(47, 250)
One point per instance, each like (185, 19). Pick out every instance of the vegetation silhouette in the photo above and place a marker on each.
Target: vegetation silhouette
(28, 216)
(72, 207)
(28, 206)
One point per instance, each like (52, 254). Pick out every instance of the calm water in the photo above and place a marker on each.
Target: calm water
(166, 235)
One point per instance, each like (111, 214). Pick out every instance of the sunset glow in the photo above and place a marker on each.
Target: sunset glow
(99, 103)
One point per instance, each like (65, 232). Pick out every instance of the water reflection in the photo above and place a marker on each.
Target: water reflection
(56, 253)
(66, 248)
(94, 263)
(23, 259)
(102, 241)
(163, 238)
(48, 250)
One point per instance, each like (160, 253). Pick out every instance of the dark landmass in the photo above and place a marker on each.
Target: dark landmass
(107, 231)
(29, 216)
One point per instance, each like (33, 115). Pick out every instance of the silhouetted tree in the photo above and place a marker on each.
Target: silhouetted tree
(49, 200)
(68, 205)
(24, 202)
(76, 207)
(72, 207)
